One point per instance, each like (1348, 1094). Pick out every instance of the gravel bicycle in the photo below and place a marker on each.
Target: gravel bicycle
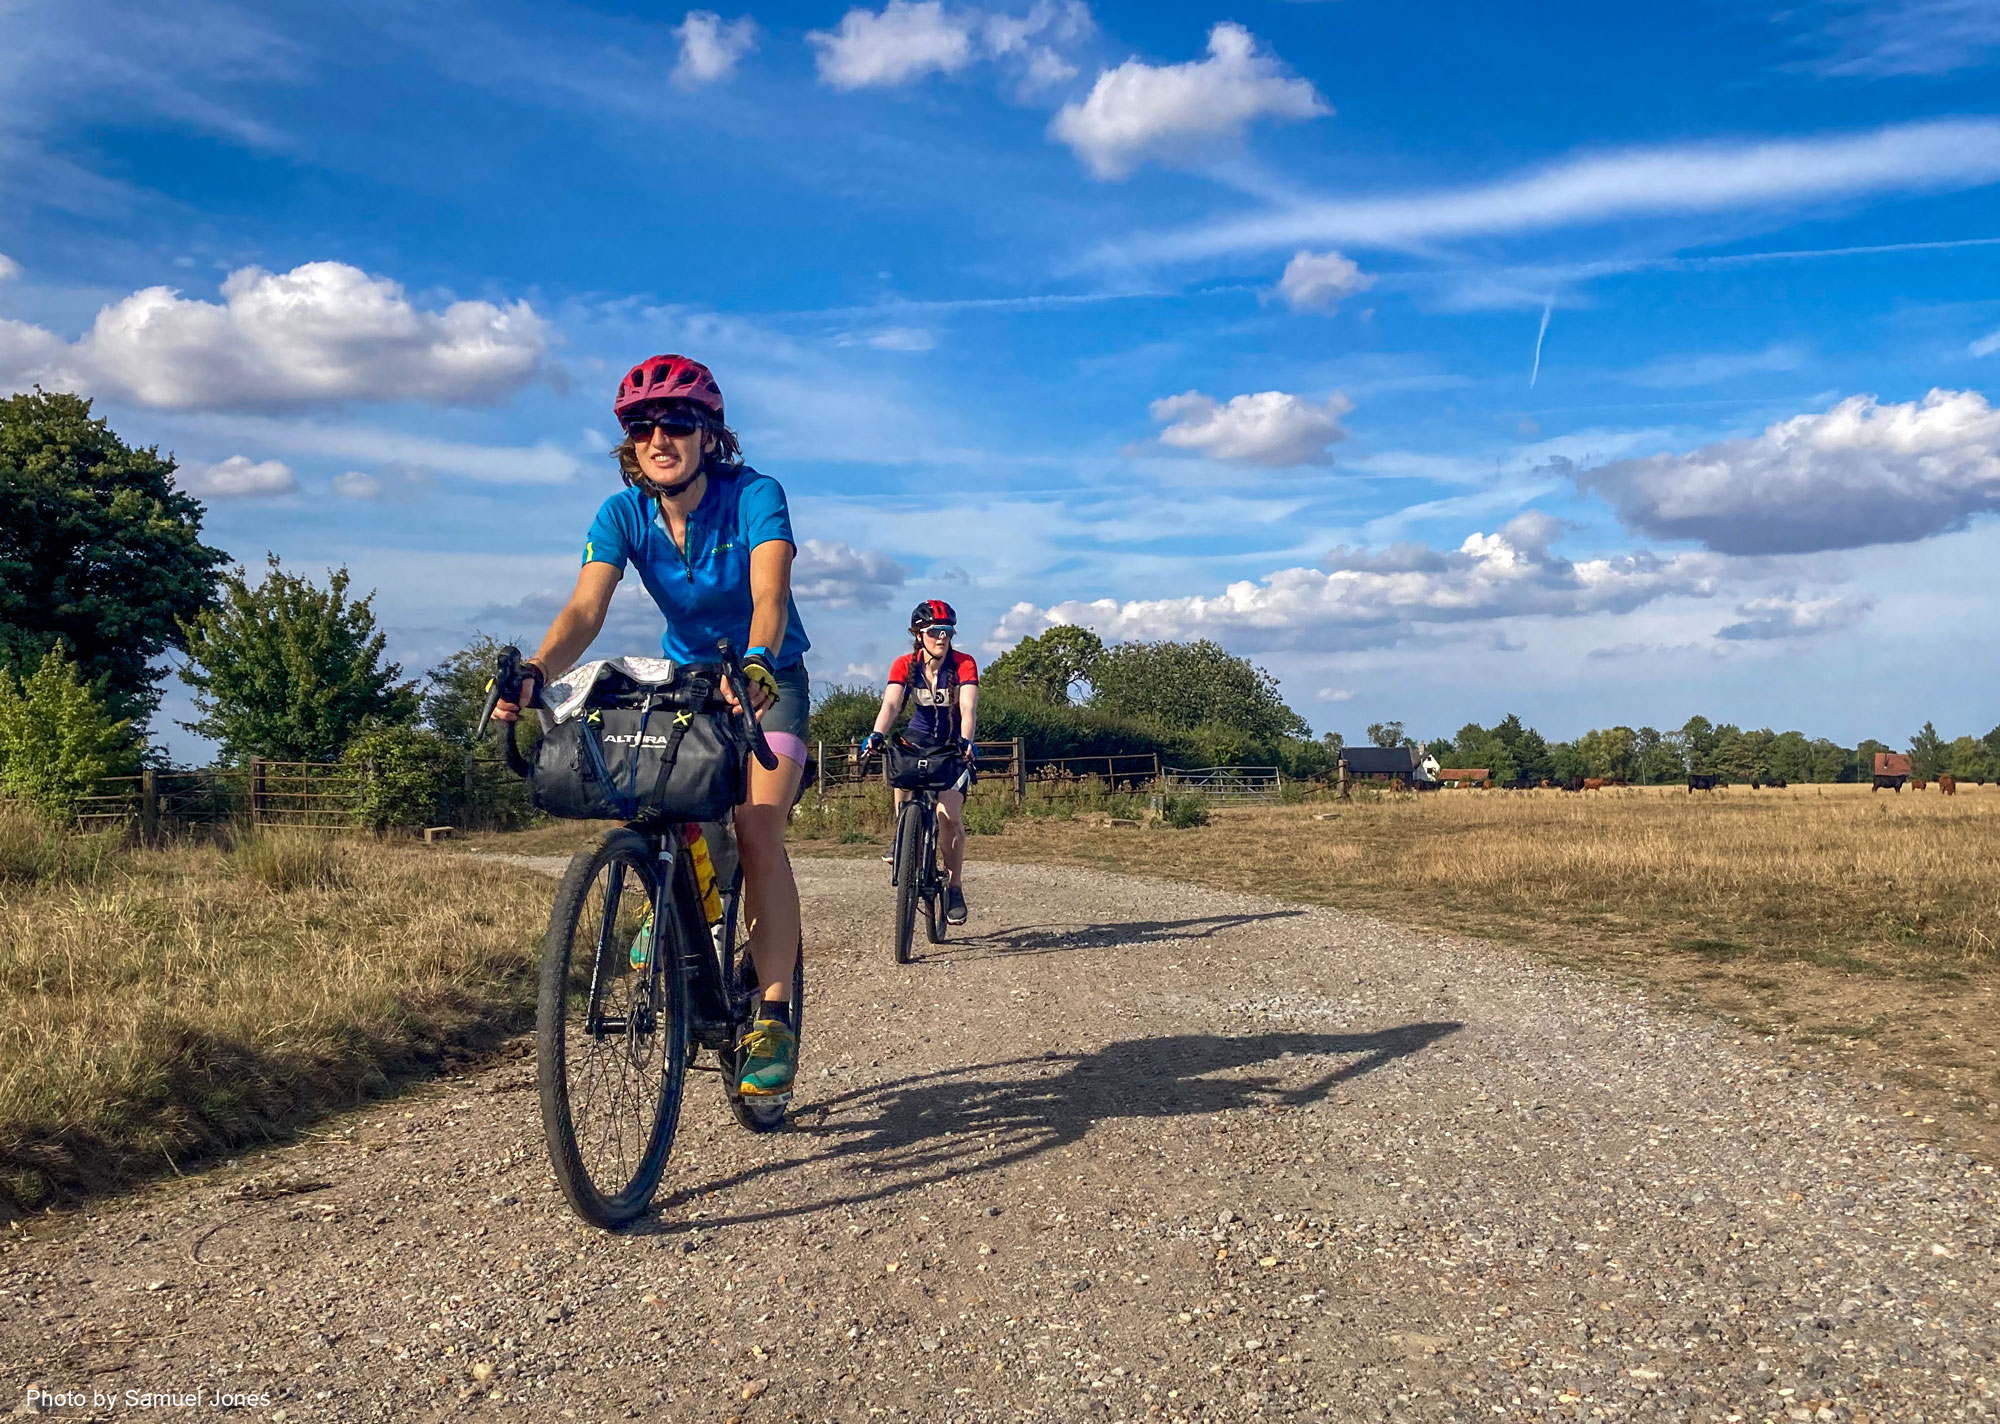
(641, 969)
(924, 772)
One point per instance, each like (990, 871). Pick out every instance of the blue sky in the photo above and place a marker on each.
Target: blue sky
(1598, 367)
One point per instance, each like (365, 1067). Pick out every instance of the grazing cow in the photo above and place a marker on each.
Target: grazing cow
(1570, 783)
(1948, 784)
(1917, 783)
(1701, 783)
(1893, 783)
(1594, 783)
(1777, 781)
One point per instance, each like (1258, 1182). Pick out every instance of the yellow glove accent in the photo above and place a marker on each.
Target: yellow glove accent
(763, 677)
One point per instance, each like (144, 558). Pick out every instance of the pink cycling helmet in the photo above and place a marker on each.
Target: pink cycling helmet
(659, 378)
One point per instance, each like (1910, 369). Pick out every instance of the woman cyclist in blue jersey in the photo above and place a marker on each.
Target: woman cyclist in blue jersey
(943, 685)
(712, 541)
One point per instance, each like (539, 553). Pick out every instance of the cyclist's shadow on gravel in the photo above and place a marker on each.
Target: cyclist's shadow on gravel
(1057, 938)
(893, 1138)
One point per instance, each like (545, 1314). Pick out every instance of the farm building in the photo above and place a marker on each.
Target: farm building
(1411, 767)
(1465, 775)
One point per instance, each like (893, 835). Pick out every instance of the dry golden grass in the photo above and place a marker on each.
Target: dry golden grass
(160, 1005)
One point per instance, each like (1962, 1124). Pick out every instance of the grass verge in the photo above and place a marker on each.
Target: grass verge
(160, 1006)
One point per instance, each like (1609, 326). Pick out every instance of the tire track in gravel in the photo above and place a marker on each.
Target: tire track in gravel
(1121, 1150)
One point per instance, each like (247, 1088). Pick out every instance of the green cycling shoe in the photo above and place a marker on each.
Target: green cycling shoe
(770, 1060)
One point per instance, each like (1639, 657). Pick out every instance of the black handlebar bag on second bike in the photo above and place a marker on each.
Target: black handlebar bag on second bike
(914, 768)
(640, 753)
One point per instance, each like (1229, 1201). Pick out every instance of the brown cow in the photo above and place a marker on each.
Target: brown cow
(1917, 783)
(1593, 783)
(1948, 784)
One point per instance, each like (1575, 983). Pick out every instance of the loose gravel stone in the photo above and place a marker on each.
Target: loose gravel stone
(1133, 1150)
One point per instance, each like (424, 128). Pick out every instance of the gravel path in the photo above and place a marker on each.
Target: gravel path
(1122, 1150)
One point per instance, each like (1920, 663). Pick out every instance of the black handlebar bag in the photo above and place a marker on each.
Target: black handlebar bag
(914, 768)
(650, 756)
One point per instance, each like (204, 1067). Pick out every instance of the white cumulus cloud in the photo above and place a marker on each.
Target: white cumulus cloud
(1321, 281)
(355, 484)
(841, 576)
(710, 48)
(1861, 473)
(1140, 111)
(900, 42)
(1790, 616)
(239, 477)
(320, 334)
(9, 268)
(1271, 428)
(1365, 601)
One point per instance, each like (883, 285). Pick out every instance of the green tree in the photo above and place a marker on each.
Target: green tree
(1992, 740)
(1332, 742)
(1698, 744)
(1049, 667)
(1665, 760)
(97, 550)
(1790, 756)
(57, 740)
(1757, 752)
(847, 714)
(1831, 762)
(1927, 753)
(410, 777)
(1730, 754)
(1612, 752)
(290, 670)
(1565, 761)
(1967, 759)
(1182, 686)
(1864, 757)
(1385, 734)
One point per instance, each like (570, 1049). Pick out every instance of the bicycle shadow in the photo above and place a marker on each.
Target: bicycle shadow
(1057, 938)
(964, 1121)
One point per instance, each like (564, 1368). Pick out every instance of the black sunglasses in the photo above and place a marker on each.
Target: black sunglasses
(675, 426)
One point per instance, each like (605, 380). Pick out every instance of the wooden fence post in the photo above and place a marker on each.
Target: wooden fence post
(149, 806)
(256, 791)
(1020, 771)
(821, 754)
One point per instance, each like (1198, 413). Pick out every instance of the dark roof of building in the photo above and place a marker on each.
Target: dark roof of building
(1379, 761)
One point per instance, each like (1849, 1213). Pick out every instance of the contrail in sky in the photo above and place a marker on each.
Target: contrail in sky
(1535, 374)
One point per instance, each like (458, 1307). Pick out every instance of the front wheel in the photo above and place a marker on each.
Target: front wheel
(934, 891)
(611, 1031)
(909, 875)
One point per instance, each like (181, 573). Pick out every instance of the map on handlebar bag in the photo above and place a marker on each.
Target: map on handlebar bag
(568, 693)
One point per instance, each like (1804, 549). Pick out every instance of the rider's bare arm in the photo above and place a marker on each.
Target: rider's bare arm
(968, 710)
(571, 633)
(770, 593)
(892, 708)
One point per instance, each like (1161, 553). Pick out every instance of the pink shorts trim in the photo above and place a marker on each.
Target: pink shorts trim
(788, 745)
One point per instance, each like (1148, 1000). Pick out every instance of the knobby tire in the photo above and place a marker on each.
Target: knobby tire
(610, 1097)
(909, 875)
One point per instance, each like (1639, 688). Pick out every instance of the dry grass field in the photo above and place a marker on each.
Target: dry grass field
(157, 1006)
(1867, 923)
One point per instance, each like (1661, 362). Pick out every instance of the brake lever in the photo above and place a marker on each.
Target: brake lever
(505, 682)
(733, 675)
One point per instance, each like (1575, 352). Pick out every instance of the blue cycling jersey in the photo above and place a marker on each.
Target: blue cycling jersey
(704, 592)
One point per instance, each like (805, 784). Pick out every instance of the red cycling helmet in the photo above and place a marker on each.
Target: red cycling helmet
(660, 378)
(932, 610)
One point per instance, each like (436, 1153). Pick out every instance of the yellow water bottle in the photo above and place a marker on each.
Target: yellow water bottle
(704, 875)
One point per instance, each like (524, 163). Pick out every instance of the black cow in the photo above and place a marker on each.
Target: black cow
(1777, 781)
(1701, 783)
(1572, 783)
(1893, 783)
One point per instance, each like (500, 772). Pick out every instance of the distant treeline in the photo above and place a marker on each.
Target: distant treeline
(1067, 694)
(1646, 756)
